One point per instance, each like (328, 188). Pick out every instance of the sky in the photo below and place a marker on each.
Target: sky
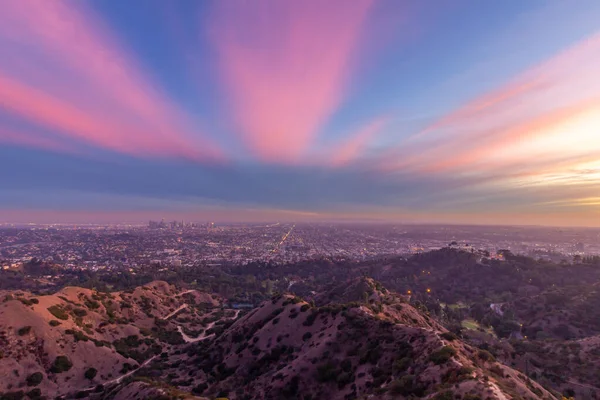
(430, 111)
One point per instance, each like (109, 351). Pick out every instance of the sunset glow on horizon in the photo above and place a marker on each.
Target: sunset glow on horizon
(368, 110)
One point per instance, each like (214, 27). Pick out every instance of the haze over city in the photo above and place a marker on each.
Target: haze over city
(417, 112)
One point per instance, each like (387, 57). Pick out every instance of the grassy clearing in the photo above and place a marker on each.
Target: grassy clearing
(473, 325)
(470, 324)
(457, 306)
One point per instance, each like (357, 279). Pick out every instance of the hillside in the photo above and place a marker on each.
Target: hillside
(78, 338)
(353, 340)
(380, 346)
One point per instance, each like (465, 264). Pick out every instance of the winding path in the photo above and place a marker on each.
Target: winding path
(186, 338)
(203, 335)
(120, 378)
(174, 312)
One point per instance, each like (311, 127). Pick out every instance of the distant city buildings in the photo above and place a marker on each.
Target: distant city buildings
(171, 225)
(184, 244)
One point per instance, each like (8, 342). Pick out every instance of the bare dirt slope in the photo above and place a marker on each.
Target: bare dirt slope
(79, 338)
(379, 346)
(355, 341)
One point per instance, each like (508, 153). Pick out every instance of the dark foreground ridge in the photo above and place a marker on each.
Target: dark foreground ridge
(357, 340)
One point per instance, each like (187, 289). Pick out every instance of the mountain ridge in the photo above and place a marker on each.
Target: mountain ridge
(354, 340)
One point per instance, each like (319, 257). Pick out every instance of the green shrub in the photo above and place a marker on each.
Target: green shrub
(371, 354)
(91, 304)
(497, 369)
(327, 372)
(77, 335)
(79, 312)
(485, 355)
(448, 395)
(127, 347)
(145, 332)
(35, 394)
(58, 312)
(35, 379)
(344, 378)
(443, 355)
(13, 395)
(403, 386)
(306, 336)
(469, 396)
(402, 364)
(346, 365)
(171, 336)
(127, 367)
(61, 364)
(311, 319)
(457, 375)
(90, 373)
(54, 322)
(24, 330)
(449, 336)
(201, 387)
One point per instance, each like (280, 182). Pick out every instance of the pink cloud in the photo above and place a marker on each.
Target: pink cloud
(92, 80)
(544, 112)
(518, 133)
(559, 73)
(37, 141)
(286, 66)
(352, 148)
(67, 119)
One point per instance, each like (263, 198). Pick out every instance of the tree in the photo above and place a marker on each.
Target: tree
(403, 386)
(34, 379)
(443, 355)
(61, 364)
(24, 330)
(34, 393)
(90, 373)
(269, 286)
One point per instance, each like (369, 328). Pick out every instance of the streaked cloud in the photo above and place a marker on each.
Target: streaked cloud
(542, 123)
(67, 73)
(286, 66)
(321, 109)
(29, 139)
(354, 146)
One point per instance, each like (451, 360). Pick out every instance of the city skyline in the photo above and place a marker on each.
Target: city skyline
(415, 112)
